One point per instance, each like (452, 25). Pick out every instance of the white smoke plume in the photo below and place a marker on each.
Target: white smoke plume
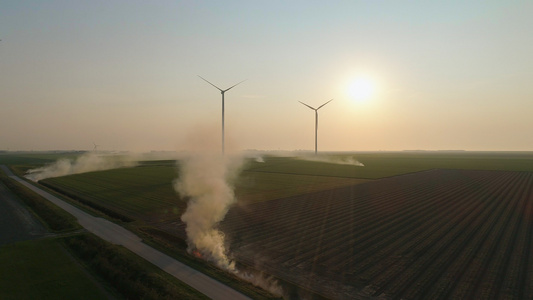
(339, 160)
(263, 281)
(85, 163)
(206, 179)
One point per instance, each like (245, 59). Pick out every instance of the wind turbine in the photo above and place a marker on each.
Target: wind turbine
(222, 92)
(316, 119)
(95, 149)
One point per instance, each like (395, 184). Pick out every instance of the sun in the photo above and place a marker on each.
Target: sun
(361, 89)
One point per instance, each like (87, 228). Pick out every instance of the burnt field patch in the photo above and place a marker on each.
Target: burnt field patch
(438, 234)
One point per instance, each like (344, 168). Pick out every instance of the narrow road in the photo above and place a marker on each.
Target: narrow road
(116, 234)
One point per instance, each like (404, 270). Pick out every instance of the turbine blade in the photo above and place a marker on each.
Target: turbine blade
(211, 83)
(308, 105)
(233, 86)
(324, 104)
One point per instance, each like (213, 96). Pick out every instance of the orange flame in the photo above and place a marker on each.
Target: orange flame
(197, 253)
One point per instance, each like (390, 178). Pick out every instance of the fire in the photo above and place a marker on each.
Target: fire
(197, 254)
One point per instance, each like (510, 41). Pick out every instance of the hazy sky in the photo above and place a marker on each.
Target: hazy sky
(123, 74)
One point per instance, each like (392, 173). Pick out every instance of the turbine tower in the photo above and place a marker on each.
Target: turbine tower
(222, 92)
(316, 119)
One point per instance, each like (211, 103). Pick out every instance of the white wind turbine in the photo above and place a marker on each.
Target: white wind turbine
(222, 92)
(316, 120)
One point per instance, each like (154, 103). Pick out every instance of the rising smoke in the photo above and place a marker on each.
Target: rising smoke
(85, 163)
(263, 281)
(206, 180)
(339, 160)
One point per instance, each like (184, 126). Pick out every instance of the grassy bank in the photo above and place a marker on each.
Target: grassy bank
(47, 267)
(133, 277)
(51, 215)
(42, 269)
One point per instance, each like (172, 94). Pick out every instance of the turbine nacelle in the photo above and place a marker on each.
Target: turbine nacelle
(221, 90)
(316, 109)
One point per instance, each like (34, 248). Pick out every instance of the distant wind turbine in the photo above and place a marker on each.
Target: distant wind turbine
(222, 92)
(95, 148)
(316, 120)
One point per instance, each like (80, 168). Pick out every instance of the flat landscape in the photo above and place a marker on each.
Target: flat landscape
(284, 149)
(439, 234)
(406, 225)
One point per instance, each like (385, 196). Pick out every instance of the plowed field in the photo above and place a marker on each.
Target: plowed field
(438, 234)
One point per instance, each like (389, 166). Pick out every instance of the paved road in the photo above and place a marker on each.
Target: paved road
(115, 234)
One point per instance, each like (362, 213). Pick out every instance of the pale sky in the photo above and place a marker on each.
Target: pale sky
(123, 74)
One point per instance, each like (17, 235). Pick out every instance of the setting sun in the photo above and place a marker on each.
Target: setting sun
(361, 89)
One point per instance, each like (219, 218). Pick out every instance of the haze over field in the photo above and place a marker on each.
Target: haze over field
(403, 75)
(87, 162)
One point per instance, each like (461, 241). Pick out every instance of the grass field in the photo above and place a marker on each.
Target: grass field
(138, 193)
(385, 164)
(44, 270)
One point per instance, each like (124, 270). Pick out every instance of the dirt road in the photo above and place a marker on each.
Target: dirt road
(118, 235)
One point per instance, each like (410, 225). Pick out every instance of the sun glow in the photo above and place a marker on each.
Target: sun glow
(361, 89)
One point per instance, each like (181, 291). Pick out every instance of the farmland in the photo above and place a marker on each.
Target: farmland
(448, 234)
(407, 225)
(145, 192)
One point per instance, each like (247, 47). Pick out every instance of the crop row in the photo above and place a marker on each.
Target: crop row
(436, 234)
(137, 193)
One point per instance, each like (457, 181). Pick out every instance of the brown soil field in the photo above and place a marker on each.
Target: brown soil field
(438, 234)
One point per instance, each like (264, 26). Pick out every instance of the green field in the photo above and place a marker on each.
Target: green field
(134, 192)
(145, 192)
(385, 164)
(44, 270)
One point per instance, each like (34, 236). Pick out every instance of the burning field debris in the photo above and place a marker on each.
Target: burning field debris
(85, 163)
(207, 181)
